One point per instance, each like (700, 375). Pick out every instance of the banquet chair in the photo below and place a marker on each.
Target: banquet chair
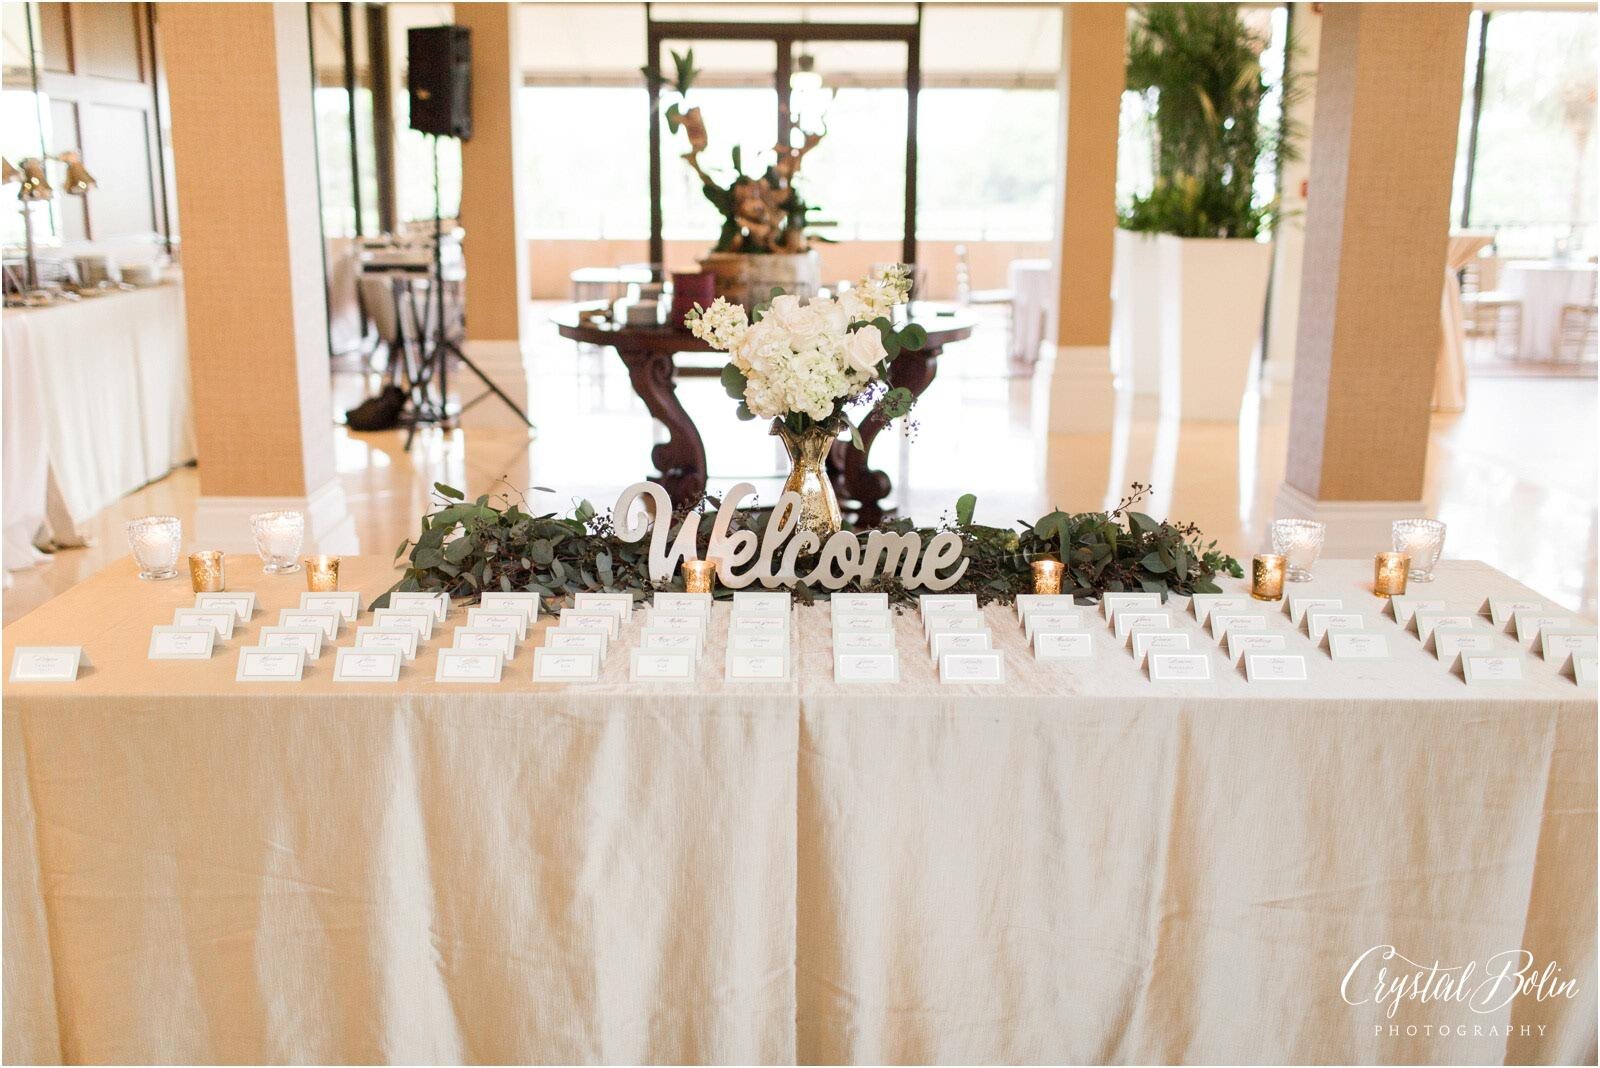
(967, 296)
(1487, 312)
(1580, 324)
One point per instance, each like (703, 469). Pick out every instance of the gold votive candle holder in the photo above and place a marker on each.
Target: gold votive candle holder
(322, 574)
(698, 575)
(205, 571)
(1267, 572)
(1047, 576)
(1389, 574)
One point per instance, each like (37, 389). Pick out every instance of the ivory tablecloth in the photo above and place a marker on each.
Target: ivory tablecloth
(97, 396)
(1544, 287)
(1078, 865)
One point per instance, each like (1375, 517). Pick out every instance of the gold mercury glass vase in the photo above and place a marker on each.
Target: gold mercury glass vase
(808, 476)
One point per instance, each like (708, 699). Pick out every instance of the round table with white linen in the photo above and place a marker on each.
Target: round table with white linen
(1029, 281)
(1544, 286)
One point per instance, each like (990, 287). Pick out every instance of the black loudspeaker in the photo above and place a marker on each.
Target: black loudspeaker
(439, 79)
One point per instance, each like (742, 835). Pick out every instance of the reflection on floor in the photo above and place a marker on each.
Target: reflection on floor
(1514, 477)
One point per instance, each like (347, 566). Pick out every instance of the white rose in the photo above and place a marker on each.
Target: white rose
(864, 350)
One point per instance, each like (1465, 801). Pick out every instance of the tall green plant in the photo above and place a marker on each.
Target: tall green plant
(1200, 65)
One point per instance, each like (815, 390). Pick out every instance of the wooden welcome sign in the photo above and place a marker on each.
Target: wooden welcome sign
(771, 559)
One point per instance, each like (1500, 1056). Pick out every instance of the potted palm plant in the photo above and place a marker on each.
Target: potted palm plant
(1204, 271)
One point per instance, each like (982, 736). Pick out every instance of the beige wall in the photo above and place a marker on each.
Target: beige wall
(553, 261)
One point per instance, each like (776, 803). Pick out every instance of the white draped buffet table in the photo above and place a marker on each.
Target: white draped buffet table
(96, 400)
(1079, 865)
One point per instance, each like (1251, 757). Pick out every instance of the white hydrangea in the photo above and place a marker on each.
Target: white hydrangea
(721, 326)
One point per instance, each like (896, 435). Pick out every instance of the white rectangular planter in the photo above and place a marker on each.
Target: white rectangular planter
(1136, 312)
(1213, 293)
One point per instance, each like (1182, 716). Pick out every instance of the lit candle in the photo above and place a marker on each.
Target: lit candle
(1047, 576)
(155, 540)
(698, 575)
(322, 574)
(278, 537)
(1389, 574)
(205, 571)
(1266, 576)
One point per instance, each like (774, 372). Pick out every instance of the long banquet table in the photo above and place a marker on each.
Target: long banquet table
(1078, 865)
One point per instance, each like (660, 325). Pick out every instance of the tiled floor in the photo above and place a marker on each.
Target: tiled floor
(1514, 477)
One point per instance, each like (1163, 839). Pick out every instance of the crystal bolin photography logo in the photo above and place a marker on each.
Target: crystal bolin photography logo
(1384, 977)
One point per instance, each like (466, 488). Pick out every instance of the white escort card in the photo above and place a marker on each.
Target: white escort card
(487, 639)
(1044, 602)
(973, 667)
(1428, 621)
(419, 620)
(761, 602)
(1559, 644)
(307, 638)
(595, 641)
(576, 619)
(220, 620)
(1241, 641)
(859, 622)
(367, 665)
(759, 641)
(1406, 607)
(947, 602)
(661, 665)
(1529, 624)
(765, 622)
(1112, 603)
(746, 666)
(1163, 641)
(516, 600)
(957, 641)
(241, 604)
(866, 667)
(1358, 645)
(1040, 620)
(857, 602)
(620, 603)
(1127, 620)
(677, 603)
(1274, 667)
(1299, 606)
(263, 664)
(1450, 642)
(681, 641)
(1222, 622)
(510, 619)
(47, 663)
(656, 619)
(1062, 645)
(863, 641)
(387, 638)
(940, 621)
(346, 602)
(181, 643)
(1585, 669)
(1320, 623)
(565, 665)
(1481, 668)
(1206, 603)
(1179, 667)
(437, 603)
(1503, 609)
(468, 665)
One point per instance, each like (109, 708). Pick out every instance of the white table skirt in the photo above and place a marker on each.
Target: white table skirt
(97, 395)
(1544, 288)
(1030, 309)
(1079, 865)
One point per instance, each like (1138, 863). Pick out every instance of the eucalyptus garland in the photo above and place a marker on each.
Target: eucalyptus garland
(498, 543)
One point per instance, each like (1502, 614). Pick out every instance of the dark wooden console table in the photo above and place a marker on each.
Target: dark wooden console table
(649, 353)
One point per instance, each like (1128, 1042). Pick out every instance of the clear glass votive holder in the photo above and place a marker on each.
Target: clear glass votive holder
(322, 574)
(278, 538)
(205, 571)
(155, 541)
(698, 575)
(1299, 541)
(1047, 576)
(1266, 576)
(1389, 574)
(1423, 541)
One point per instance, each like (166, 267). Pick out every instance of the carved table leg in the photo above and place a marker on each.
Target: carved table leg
(853, 479)
(681, 459)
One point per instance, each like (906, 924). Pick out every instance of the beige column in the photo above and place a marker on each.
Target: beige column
(239, 86)
(1382, 156)
(1093, 45)
(497, 287)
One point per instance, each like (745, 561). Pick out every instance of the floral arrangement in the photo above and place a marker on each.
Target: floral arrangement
(804, 364)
